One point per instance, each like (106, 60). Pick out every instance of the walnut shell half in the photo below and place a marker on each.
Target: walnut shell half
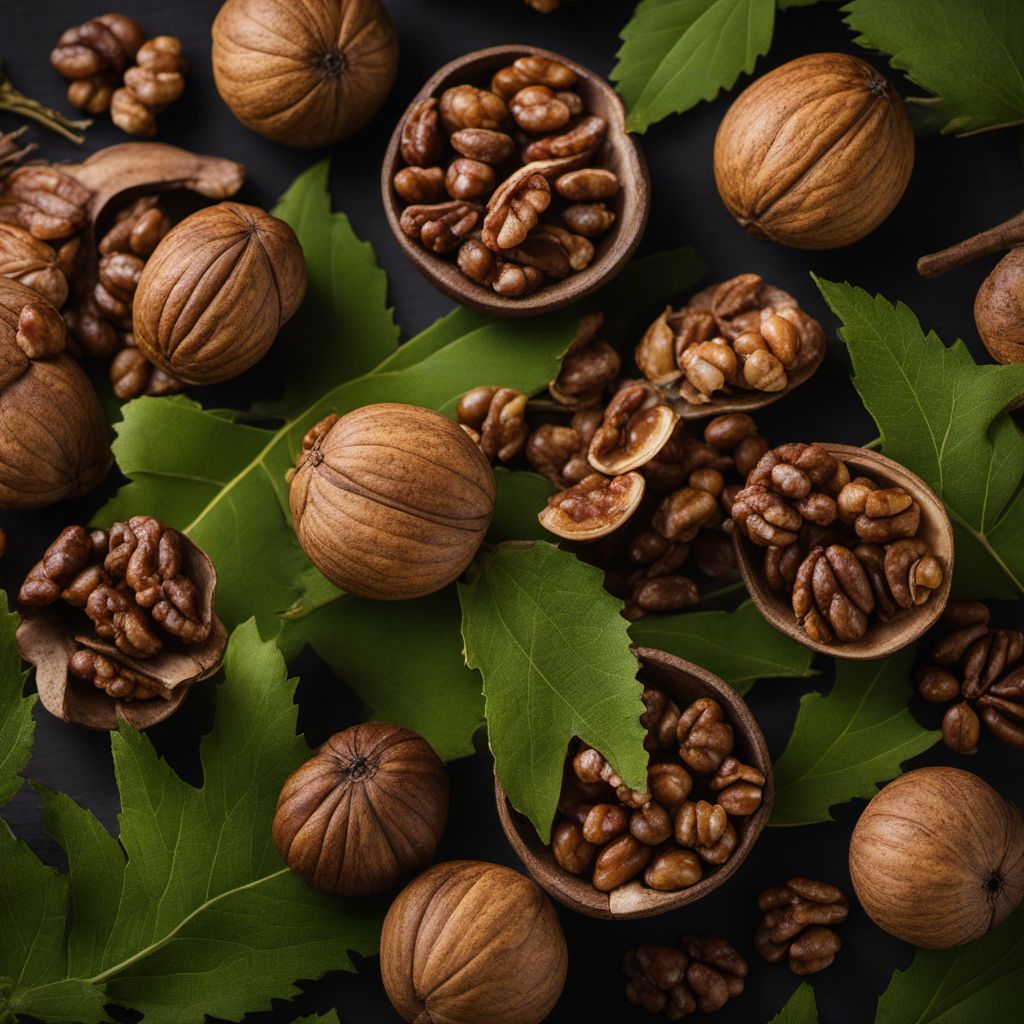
(304, 72)
(215, 292)
(53, 435)
(48, 637)
(365, 812)
(392, 502)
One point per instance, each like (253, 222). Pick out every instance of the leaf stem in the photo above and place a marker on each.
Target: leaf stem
(16, 102)
(1003, 236)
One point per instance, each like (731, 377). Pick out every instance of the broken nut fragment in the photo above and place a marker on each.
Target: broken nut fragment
(594, 507)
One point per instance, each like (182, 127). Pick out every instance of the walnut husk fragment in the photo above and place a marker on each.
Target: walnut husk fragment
(49, 636)
(53, 434)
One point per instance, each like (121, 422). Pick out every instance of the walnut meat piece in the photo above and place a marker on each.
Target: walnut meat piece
(440, 226)
(33, 263)
(636, 426)
(515, 207)
(796, 919)
(587, 368)
(497, 417)
(580, 141)
(465, 106)
(594, 507)
(45, 201)
(422, 143)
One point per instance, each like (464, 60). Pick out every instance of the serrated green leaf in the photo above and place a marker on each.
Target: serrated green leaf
(327, 1018)
(944, 417)
(202, 917)
(739, 646)
(16, 725)
(845, 743)
(980, 982)
(404, 661)
(801, 1008)
(969, 54)
(554, 654)
(345, 327)
(676, 53)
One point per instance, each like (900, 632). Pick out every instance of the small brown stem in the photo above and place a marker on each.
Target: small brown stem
(15, 102)
(998, 239)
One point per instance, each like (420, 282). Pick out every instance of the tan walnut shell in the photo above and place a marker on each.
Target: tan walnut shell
(468, 942)
(392, 502)
(815, 154)
(53, 434)
(365, 812)
(937, 858)
(999, 309)
(215, 292)
(304, 72)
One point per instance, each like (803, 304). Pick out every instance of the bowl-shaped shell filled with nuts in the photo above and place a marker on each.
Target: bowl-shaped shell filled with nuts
(858, 565)
(512, 183)
(720, 785)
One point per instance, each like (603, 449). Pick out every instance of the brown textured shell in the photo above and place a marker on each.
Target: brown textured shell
(469, 941)
(215, 292)
(26, 259)
(937, 858)
(999, 309)
(365, 812)
(392, 502)
(304, 72)
(815, 154)
(53, 435)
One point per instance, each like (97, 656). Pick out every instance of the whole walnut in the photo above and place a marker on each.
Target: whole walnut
(304, 72)
(365, 812)
(815, 154)
(392, 501)
(215, 292)
(468, 942)
(53, 434)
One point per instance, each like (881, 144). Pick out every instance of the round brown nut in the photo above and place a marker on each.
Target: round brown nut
(650, 824)
(622, 859)
(588, 219)
(570, 849)
(672, 870)
(420, 184)
(465, 106)
(477, 262)
(670, 785)
(538, 111)
(587, 185)
(720, 852)
(469, 179)
(604, 823)
(740, 799)
(484, 144)
(700, 824)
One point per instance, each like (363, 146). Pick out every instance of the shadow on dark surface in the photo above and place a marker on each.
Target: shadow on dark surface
(959, 186)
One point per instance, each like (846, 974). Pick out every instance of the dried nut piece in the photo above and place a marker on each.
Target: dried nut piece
(705, 740)
(636, 426)
(477, 262)
(392, 501)
(469, 179)
(93, 56)
(889, 514)
(483, 144)
(605, 822)
(365, 812)
(587, 185)
(542, 253)
(422, 143)
(660, 720)
(579, 252)
(765, 517)
(323, 67)
(669, 784)
(497, 416)
(700, 824)
(465, 106)
(588, 219)
(194, 314)
(650, 824)
(559, 453)
(537, 110)
(796, 919)
(420, 185)
(620, 861)
(515, 207)
(739, 787)
(44, 200)
(156, 81)
(580, 141)
(26, 259)
(440, 226)
(832, 595)
(681, 515)
(589, 365)
(570, 849)
(512, 280)
(53, 434)
(594, 507)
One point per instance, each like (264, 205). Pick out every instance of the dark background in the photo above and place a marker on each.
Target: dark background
(959, 186)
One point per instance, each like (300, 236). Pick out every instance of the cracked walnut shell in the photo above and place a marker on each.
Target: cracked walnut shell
(304, 72)
(391, 501)
(215, 292)
(365, 812)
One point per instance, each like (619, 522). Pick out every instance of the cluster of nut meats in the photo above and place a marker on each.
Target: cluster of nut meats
(735, 336)
(843, 548)
(797, 916)
(699, 976)
(133, 585)
(44, 214)
(520, 152)
(112, 66)
(980, 668)
(666, 833)
(630, 476)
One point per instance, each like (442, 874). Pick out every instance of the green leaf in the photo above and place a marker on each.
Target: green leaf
(404, 661)
(801, 1008)
(329, 1018)
(556, 663)
(969, 54)
(944, 417)
(844, 743)
(16, 725)
(344, 328)
(521, 498)
(980, 982)
(676, 53)
(739, 646)
(202, 917)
